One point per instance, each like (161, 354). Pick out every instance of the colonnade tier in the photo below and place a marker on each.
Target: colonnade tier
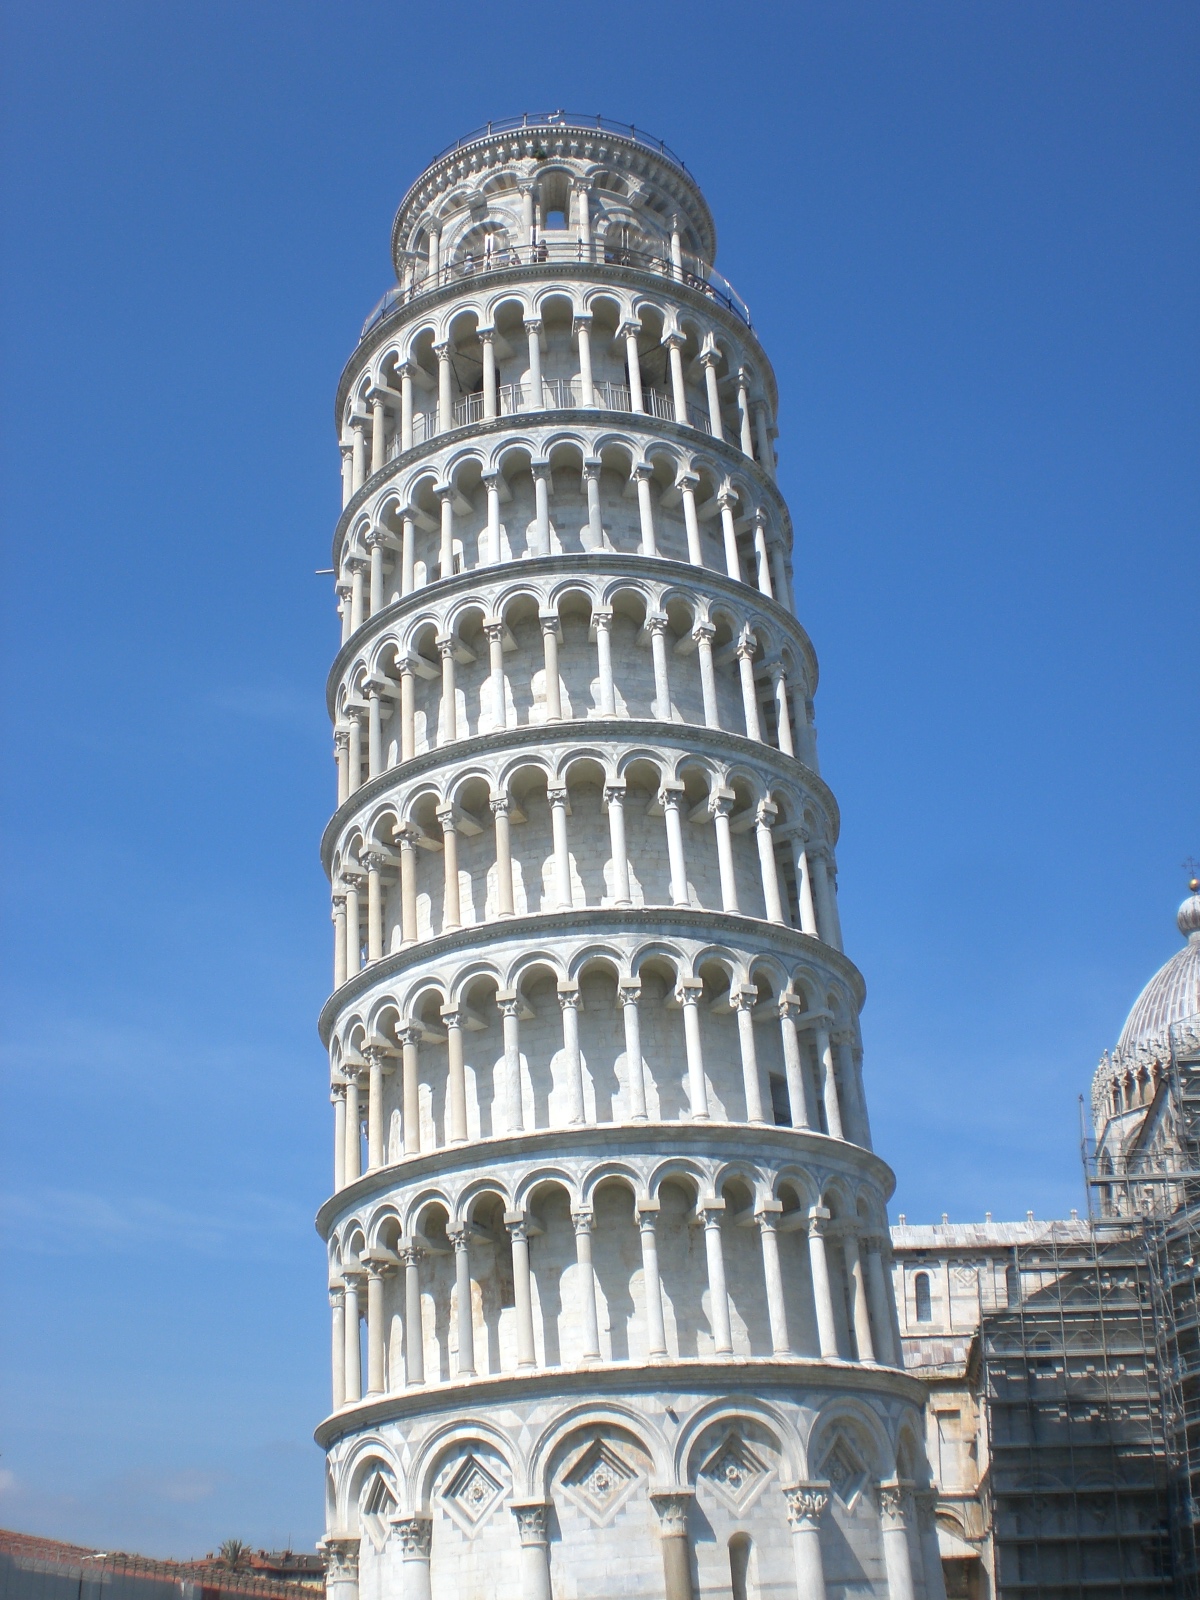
(616, 1253)
(566, 643)
(626, 824)
(608, 1260)
(496, 495)
(503, 349)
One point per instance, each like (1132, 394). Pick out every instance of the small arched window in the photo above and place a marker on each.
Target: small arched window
(923, 1298)
(1012, 1286)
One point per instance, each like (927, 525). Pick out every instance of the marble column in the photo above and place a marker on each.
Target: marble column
(768, 1223)
(456, 1088)
(353, 1346)
(602, 621)
(689, 994)
(337, 1307)
(806, 1504)
(522, 1290)
(409, 1038)
(587, 1284)
(628, 996)
(341, 1568)
(614, 800)
(510, 1014)
(533, 1531)
(669, 797)
(818, 1220)
(568, 1000)
(718, 1294)
(744, 999)
(656, 1337)
(703, 633)
(416, 1547)
(414, 1332)
(460, 1238)
(504, 870)
(893, 1518)
(557, 796)
(672, 1508)
(451, 907)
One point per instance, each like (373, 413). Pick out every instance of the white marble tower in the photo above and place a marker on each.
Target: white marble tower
(608, 1253)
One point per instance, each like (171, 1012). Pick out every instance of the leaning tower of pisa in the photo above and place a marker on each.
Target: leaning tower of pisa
(608, 1259)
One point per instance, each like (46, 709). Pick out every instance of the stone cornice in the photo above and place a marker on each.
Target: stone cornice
(608, 563)
(746, 933)
(745, 1375)
(555, 272)
(691, 738)
(627, 1138)
(526, 421)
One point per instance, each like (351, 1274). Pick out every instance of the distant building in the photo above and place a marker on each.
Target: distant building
(1062, 1360)
(46, 1569)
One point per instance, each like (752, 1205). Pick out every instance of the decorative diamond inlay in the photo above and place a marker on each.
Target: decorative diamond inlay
(735, 1472)
(845, 1472)
(599, 1481)
(471, 1495)
(378, 1504)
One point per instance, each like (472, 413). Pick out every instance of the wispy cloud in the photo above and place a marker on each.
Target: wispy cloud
(283, 704)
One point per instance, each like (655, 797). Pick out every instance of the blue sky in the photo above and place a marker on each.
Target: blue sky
(967, 232)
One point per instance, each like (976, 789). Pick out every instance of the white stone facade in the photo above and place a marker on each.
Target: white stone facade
(609, 1265)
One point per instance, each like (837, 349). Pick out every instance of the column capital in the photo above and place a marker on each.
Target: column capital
(689, 991)
(705, 631)
(442, 350)
(592, 466)
(643, 471)
(674, 340)
(556, 794)
(500, 805)
(670, 794)
(532, 1517)
(485, 335)
(409, 1034)
(568, 996)
(445, 817)
(416, 1537)
(452, 1016)
(721, 803)
(893, 1503)
(377, 1055)
(581, 321)
(583, 1221)
(493, 632)
(551, 623)
(337, 1296)
(629, 329)
(671, 1506)
(629, 993)
(614, 794)
(819, 1218)
(459, 1236)
(765, 813)
(745, 997)
(709, 356)
(602, 619)
(347, 448)
(533, 324)
(341, 1559)
(411, 1254)
(656, 623)
(517, 1226)
(509, 1004)
(806, 1503)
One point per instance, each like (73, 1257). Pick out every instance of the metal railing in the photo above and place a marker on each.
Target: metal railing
(558, 121)
(558, 394)
(693, 272)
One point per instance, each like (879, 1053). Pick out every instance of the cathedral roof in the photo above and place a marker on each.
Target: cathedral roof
(1170, 1003)
(1172, 994)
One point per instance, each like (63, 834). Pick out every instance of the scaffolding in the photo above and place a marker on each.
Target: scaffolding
(1076, 1485)
(1159, 1186)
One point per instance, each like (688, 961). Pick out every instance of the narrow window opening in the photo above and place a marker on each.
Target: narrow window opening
(739, 1565)
(780, 1109)
(922, 1297)
(556, 219)
(1012, 1287)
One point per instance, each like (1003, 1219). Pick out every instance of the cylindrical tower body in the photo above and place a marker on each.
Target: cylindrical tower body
(608, 1246)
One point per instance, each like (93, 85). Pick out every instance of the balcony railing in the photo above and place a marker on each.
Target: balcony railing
(558, 394)
(553, 122)
(692, 272)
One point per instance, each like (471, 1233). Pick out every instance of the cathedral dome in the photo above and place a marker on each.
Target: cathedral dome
(1173, 993)
(1125, 1081)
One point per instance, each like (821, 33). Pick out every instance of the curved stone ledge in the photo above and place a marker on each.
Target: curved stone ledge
(736, 1379)
(745, 933)
(723, 1140)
